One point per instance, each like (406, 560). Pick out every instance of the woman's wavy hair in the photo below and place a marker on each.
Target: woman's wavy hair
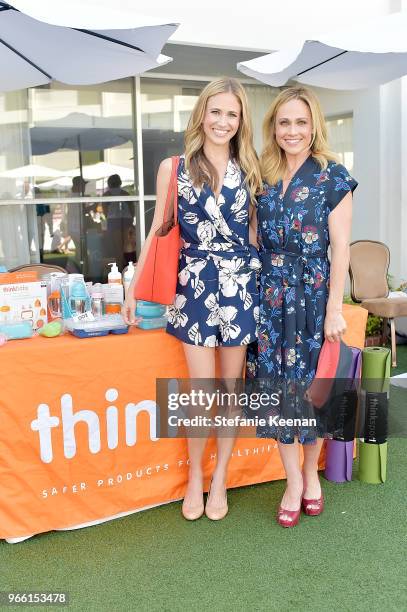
(241, 146)
(273, 162)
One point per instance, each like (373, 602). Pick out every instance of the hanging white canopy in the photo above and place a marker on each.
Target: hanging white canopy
(351, 58)
(33, 52)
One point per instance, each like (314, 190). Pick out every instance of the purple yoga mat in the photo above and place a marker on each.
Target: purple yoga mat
(338, 460)
(356, 365)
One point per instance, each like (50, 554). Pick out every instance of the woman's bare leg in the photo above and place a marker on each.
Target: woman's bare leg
(231, 365)
(201, 364)
(289, 454)
(312, 487)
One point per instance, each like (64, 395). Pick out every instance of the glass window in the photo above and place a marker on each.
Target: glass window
(59, 141)
(166, 106)
(340, 136)
(165, 109)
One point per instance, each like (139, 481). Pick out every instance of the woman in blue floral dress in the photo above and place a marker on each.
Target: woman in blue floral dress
(305, 207)
(216, 303)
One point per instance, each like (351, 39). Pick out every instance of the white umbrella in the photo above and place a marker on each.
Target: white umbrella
(351, 58)
(30, 170)
(34, 52)
(63, 183)
(102, 170)
(93, 172)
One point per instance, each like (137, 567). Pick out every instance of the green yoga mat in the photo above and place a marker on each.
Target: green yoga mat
(375, 384)
(376, 369)
(372, 462)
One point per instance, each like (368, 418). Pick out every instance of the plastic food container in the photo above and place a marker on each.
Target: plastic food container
(152, 323)
(149, 309)
(107, 324)
(16, 330)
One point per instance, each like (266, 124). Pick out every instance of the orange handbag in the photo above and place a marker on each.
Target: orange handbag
(158, 279)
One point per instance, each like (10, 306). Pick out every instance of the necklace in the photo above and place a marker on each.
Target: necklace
(289, 175)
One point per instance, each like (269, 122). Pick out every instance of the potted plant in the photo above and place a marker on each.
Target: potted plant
(374, 331)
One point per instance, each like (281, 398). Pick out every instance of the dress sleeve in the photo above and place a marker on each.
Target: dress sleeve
(340, 183)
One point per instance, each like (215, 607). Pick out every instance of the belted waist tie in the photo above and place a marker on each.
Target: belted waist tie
(299, 273)
(235, 250)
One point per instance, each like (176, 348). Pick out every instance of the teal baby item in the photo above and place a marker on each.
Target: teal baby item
(149, 309)
(16, 330)
(152, 323)
(78, 300)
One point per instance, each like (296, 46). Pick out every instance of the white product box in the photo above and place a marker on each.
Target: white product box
(24, 302)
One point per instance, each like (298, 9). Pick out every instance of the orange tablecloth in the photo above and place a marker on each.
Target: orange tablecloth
(72, 449)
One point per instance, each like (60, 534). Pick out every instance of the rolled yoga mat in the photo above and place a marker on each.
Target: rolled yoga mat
(374, 415)
(376, 369)
(338, 460)
(346, 401)
(373, 422)
(355, 369)
(372, 462)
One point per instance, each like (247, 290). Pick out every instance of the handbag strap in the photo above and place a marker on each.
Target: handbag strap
(172, 193)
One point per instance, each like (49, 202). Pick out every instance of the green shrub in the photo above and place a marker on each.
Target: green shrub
(374, 325)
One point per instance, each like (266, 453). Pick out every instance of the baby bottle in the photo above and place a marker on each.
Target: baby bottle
(54, 281)
(97, 301)
(78, 298)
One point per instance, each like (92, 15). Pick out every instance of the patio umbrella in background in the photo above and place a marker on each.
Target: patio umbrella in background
(80, 132)
(89, 45)
(63, 183)
(351, 58)
(30, 171)
(101, 170)
(34, 52)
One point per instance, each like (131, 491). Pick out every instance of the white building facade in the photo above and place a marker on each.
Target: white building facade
(41, 215)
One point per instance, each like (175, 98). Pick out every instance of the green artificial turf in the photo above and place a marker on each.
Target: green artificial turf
(401, 360)
(352, 557)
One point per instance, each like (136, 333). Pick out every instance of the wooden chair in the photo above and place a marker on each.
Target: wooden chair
(41, 268)
(369, 265)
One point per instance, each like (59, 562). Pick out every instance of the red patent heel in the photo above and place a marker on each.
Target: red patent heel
(313, 507)
(288, 518)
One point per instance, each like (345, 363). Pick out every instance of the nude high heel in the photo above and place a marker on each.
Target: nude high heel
(192, 513)
(216, 513)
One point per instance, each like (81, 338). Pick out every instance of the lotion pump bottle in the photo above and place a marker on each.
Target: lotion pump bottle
(114, 276)
(128, 276)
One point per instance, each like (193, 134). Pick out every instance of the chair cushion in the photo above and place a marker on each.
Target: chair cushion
(385, 307)
(369, 263)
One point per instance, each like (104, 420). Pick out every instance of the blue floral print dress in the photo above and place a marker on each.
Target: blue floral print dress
(294, 282)
(216, 302)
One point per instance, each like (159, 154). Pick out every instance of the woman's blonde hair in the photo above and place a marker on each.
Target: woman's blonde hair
(241, 146)
(273, 161)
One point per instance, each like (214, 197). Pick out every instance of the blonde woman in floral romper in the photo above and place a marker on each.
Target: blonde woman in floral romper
(216, 302)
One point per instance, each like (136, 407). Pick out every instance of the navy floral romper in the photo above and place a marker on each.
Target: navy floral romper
(216, 302)
(294, 282)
